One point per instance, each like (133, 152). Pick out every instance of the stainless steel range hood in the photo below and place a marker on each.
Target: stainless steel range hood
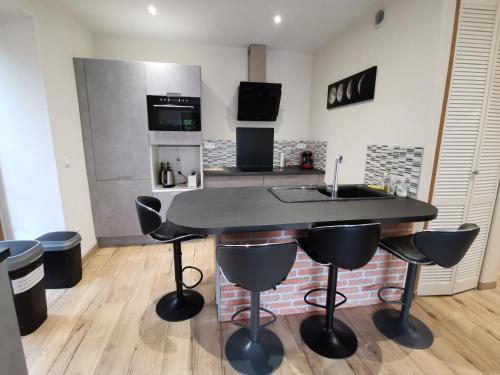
(258, 100)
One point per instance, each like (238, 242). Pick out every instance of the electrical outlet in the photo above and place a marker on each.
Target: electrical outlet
(301, 146)
(209, 145)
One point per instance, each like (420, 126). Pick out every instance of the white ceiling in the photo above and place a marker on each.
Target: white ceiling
(307, 24)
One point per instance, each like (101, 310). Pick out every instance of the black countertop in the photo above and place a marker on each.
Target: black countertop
(253, 209)
(234, 171)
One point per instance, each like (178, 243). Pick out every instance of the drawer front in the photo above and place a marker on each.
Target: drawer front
(292, 180)
(115, 212)
(237, 181)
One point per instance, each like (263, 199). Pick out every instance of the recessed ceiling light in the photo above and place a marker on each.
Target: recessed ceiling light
(152, 10)
(277, 19)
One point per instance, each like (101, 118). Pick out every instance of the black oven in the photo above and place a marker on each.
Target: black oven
(174, 113)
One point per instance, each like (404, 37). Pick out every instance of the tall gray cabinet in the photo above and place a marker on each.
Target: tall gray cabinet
(112, 100)
(117, 142)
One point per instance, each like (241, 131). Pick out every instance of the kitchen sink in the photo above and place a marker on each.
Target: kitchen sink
(295, 194)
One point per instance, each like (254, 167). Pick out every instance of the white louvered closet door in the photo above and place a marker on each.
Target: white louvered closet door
(484, 190)
(470, 135)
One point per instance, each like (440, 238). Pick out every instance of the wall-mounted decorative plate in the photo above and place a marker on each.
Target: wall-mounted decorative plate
(332, 95)
(354, 89)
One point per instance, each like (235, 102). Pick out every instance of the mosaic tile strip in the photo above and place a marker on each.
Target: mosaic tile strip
(397, 161)
(224, 152)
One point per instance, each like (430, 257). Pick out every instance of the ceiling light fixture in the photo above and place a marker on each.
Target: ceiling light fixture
(277, 19)
(152, 10)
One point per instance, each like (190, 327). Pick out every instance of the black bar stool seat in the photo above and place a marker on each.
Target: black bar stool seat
(338, 246)
(443, 247)
(254, 349)
(167, 234)
(183, 303)
(306, 245)
(403, 248)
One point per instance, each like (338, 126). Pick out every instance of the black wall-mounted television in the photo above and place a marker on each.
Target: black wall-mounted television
(254, 149)
(258, 101)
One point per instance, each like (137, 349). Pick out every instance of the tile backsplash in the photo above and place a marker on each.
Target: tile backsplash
(397, 161)
(224, 152)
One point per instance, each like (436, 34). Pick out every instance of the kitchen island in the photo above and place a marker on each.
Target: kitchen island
(254, 214)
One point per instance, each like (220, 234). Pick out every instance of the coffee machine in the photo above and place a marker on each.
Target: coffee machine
(306, 160)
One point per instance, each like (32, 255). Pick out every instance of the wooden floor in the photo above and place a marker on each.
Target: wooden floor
(108, 325)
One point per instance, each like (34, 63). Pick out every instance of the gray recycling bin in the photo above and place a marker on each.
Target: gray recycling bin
(25, 268)
(62, 259)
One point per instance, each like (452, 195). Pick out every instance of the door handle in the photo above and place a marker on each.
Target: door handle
(172, 106)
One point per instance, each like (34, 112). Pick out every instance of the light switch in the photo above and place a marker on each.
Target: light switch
(67, 162)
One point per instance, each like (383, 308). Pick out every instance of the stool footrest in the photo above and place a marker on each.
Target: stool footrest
(195, 284)
(235, 322)
(398, 302)
(324, 290)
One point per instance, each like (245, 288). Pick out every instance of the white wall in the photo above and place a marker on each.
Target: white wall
(411, 50)
(222, 70)
(60, 37)
(29, 190)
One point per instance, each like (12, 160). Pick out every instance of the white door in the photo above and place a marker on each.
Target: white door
(486, 176)
(468, 147)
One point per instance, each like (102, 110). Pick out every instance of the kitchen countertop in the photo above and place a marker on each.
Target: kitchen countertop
(277, 171)
(253, 209)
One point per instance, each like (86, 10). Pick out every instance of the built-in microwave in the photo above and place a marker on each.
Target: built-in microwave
(173, 113)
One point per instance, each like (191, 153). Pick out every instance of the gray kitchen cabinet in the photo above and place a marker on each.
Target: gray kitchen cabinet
(166, 79)
(239, 181)
(115, 211)
(165, 198)
(118, 118)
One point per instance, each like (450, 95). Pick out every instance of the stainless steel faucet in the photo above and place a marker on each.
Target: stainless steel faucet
(335, 185)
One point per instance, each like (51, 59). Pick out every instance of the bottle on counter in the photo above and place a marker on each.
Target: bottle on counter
(162, 168)
(387, 182)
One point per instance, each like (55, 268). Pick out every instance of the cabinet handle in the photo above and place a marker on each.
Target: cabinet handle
(124, 177)
(172, 106)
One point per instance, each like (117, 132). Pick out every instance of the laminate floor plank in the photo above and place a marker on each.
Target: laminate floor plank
(107, 324)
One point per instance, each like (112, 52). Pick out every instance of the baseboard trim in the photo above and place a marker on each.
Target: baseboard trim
(124, 241)
(486, 286)
(91, 252)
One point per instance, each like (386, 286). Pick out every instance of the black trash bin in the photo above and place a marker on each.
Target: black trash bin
(62, 259)
(25, 267)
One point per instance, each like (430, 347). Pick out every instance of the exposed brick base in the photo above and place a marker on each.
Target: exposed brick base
(360, 286)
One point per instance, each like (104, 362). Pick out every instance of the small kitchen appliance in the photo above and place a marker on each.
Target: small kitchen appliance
(167, 177)
(306, 160)
(192, 180)
(174, 113)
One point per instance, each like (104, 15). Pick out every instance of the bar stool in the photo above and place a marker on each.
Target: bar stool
(443, 247)
(183, 303)
(255, 349)
(338, 246)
